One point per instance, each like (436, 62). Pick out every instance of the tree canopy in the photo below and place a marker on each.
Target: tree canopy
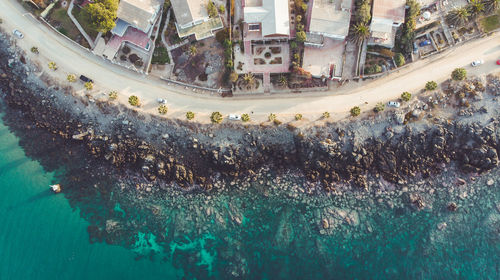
(102, 14)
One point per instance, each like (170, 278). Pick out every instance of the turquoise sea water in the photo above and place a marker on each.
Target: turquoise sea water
(254, 233)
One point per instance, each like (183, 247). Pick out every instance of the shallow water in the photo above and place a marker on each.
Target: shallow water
(251, 233)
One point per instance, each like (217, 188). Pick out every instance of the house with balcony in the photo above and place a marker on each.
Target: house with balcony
(134, 25)
(387, 17)
(266, 32)
(327, 29)
(192, 19)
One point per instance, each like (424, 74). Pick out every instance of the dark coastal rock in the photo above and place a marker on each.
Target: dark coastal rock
(192, 154)
(452, 207)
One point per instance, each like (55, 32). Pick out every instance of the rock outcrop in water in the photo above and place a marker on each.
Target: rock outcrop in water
(195, 154)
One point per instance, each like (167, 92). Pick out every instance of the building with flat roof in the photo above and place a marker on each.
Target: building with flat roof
(387, 17)
(140, 14)
(327, 30)
(192, 18)
(330, 18)
(267, 17)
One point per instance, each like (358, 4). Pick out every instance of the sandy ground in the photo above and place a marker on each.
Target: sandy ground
(71, 58)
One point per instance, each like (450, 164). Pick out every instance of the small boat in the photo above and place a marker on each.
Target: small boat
(56, 188)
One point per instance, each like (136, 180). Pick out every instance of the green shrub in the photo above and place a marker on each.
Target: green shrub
(113, 95)
(71, 78)
(189, 115)
(373, 69)
(216, 117)
(326, 115)
(162, 109)
(459, 74)
(379, 107)
(245, 118)
(406, 96)
(134, 101)
(212, 9)
(431, 85)
(52, 65)
(355, 111)
(301, 36)
(34, 50)
(89, 85)
(298, 117)
(272, 117)
(399, 59)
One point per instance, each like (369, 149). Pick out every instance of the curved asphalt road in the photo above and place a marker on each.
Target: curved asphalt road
(73, 59)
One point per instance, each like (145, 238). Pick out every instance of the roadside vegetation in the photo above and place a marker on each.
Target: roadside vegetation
(431, 85)
(216, 117)
(405, 96)
(189, 115)
(379, 107)
(89, 86)
(52, 65)
(355, 111)
(34, 50)
(162, 109)
(245, 118)
(71, 78)
(134, 101)
(113, 95)
(459, 74)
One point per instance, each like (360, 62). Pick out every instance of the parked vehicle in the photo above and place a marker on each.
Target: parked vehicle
(477, 62)
(85, 79)
(394, 104)
(234, 117)
(161, 101)
(18, 34)
(425, 43)
(498, 62)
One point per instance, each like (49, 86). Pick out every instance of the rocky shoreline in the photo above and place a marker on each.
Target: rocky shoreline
(419, 140)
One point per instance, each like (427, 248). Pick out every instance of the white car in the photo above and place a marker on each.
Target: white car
(18, 34)
(234, 117)
(394, 104)
(162, 101)
(477, 62)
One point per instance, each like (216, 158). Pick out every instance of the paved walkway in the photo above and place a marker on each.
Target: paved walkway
(80, 28)
(71, 58)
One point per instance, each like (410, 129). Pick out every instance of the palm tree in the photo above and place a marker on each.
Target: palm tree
(193, 51)
(490, 6)
(458, 17)
(249, 80)
(283, 81)
(360, 32)
(475, 7)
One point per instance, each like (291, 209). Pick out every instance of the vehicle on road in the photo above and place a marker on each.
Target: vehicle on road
(161, 101)
(477, 62)
(18, 34)
(234, 117)
(424, 43)
(394, 104)
(498, 62)
(85, 79)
